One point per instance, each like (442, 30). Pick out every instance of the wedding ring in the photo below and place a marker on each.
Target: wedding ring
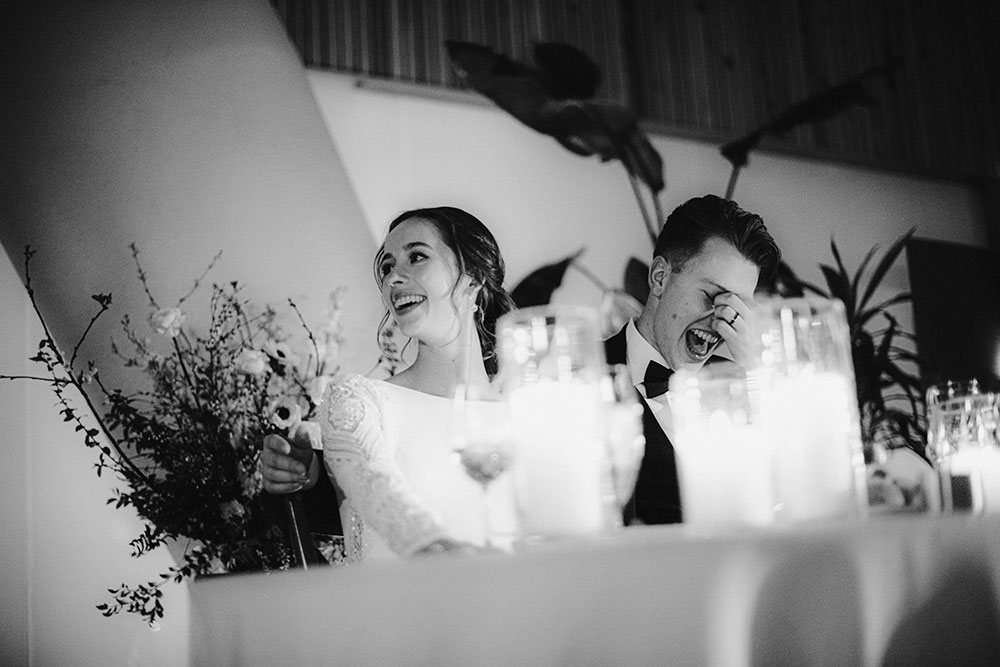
(732, 321)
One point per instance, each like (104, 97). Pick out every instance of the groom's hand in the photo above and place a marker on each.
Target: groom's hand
(733, 321)
(286, 468)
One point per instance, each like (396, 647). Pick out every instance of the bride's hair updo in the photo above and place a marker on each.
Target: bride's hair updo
(478, 257)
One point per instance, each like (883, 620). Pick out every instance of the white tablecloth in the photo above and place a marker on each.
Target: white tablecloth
(889, 590)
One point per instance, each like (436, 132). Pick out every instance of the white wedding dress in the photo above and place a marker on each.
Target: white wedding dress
(389, 450)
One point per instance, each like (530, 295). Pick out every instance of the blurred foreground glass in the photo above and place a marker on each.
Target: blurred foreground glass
(963, 445)
(551, 364)
(723, 461)
(808, 408)
(624, 438)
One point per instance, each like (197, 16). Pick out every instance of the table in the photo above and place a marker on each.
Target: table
(884, 591)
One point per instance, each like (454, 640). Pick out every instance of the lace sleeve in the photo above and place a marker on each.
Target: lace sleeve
(357, 455)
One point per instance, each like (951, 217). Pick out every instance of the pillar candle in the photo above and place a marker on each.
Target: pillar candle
(809, 420)
(724, 468)
(559, 465)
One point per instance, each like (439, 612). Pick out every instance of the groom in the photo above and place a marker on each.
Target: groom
(706, 265)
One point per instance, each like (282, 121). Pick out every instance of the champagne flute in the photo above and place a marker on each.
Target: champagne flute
(482, 441)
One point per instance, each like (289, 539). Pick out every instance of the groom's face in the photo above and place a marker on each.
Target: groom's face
(678, 317)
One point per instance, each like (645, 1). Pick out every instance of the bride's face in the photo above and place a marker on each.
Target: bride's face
(418, 274)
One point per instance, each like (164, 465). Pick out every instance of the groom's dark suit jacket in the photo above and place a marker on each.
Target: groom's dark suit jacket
(657, 496)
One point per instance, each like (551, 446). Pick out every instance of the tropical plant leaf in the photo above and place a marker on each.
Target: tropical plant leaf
(902, 378)
(836, 256)
(840, 286)
(554, 97)
(815, 289)
(814, 108)
(537, 287)
(572, 74)
(876, 353)
(905, 430)
(856, 283)
(902, 354)
(847, 295)
(605, 129)
(884, 346)
(636, 279)
(883, 266)
(864, 316)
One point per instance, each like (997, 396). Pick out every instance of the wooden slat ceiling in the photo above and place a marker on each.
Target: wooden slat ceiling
(715, 69)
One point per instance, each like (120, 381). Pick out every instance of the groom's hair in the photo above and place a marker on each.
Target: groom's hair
(695, 221)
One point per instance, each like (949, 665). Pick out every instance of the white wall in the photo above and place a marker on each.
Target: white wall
(187, 127)
(62, 546)
(15, 408)
(543, 202)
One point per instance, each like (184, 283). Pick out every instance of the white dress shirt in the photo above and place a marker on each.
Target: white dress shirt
(639, 352)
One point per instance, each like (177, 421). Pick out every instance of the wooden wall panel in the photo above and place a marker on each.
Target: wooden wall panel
(715, 69)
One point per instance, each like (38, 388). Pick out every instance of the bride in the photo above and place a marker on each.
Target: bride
(386, 443)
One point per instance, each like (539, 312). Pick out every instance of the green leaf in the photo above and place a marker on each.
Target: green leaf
(810, 287)
(847, 294)
(856, 283)
(553, 97)
(537, 287)
(883, 266)
(636, 279)
(817, 107)
(882, 351)
(840, 287)
(863, 317)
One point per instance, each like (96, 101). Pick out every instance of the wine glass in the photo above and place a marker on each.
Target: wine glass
(482, 441)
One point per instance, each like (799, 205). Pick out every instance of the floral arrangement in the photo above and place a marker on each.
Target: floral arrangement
(188, 447)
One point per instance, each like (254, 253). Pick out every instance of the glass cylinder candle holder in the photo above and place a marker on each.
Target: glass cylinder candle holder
(723, 460)
(551, 365)
(963, 443)
(624, 437)
(808, 408)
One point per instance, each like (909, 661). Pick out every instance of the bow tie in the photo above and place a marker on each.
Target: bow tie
(656, 380)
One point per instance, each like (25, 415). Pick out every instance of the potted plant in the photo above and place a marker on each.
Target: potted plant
(890, 392)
